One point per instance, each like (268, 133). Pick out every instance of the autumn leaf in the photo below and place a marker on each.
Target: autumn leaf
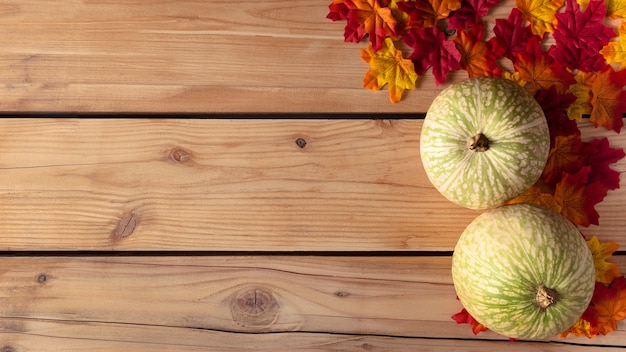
(431, 49)
(338, 10)
(426, 13)
(580, 35)
(599, 156)
(564, 156)
(608, 99)
(580, 328)
(388, 66)
(606, 272)
(615, 8)
(476, 58)
(510, 35)
(615, 52)
(540, 14)
(463, 317)
(369, 17)
(536, 195)
(608, 306)
(469, 13)
(541, 70)
(582, 90)
(554, 105)
(577, 199)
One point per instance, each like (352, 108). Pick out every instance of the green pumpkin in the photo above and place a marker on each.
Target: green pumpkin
(523, 271)
(484, 141)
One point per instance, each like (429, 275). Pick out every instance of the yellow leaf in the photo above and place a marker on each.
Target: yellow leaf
(388, 66)
(540, 14)
(615, 52)
(606, 272)
(580, 328)
(615, 8)
(582, 90)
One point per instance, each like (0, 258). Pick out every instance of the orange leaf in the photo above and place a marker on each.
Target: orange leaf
(615, 51)
(608, 306)
(534, 195)
(577, 199)
(564, 156)
(540, 13)
(369, 17)
(388, 66)
(606, 272)
(426, 13)
(541, 70)
(580, 328)
(476, 58)
(582, 90)
(608, 99)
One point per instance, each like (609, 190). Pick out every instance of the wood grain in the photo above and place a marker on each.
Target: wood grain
(324, 302)
(202, 184)
(189, 56)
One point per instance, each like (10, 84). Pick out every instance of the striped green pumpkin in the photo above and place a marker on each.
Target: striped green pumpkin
(523, 271)
(484, 141)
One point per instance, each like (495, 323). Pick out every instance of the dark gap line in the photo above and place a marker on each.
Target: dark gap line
(218, 116)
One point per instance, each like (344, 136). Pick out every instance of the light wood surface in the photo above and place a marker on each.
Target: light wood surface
(229, 234)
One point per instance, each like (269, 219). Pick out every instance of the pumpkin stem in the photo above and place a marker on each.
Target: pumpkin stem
(546, 297)
(479, 143)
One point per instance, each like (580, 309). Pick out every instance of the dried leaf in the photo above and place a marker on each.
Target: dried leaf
(540, 14)
(606, 272)
(431, 49)
(388, 66)
(608, 99)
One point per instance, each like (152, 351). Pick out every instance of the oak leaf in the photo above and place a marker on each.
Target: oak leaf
(608, 306)
(606, 272)
(388, 66)
(476, 58)
(608, 99)
(540, 14)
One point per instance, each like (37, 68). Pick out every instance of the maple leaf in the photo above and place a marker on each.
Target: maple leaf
(431, 49)
(426, 13)
(540, 69)
(338, 10)
(577, 198)
(606, 272)
(582, 90)
(579, 36)
(540, 14)
(463, 317)
(469, 13)
(580, 328)
(608, 306)
(388, 66)
(599, 156)
(564, 156)
(615, 52)
(369, 17)
(608, 99)
(511, 35)
(476, 58)
(615, 9)
(536, 195)
(554, 105)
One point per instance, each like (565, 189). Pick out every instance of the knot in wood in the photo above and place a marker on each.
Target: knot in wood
(8, 349)
(301, 142)
(42, 278)
(125, 226)
(254, 307)
(180, 155)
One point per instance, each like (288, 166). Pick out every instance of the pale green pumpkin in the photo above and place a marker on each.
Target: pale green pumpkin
(523, 271)
(484, 141)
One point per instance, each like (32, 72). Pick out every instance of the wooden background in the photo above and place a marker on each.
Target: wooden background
(213, 232)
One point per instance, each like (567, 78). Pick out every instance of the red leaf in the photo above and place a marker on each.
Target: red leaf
(511, 35)
(599, 156)
(608, 305)
(431, 49)
(337, 10)
(469, 13)
(564, 157)
(577, 198)
(554, 105)
(540, 69)
(476, 58)
(426, 13)
(369, 17)
(579, 36)
(463, 317)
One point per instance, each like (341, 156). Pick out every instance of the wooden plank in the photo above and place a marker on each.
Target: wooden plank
(191, 55)
(196, 184)
(264, 301)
